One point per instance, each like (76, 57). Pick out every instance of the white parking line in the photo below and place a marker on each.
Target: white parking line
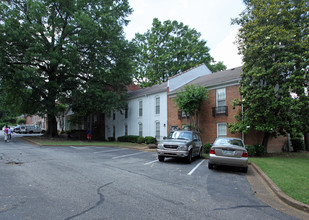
(127, 155)
(195, 167)
(106, 151)
(151, 162)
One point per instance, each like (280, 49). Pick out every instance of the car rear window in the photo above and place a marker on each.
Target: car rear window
(226, 141)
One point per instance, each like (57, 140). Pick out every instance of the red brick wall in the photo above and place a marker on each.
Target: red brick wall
(208, 123)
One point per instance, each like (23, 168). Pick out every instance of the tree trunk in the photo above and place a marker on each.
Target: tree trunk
(306, 136)
(52, 126)
(265, 140)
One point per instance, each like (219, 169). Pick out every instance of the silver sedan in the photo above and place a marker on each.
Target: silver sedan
(228, 152)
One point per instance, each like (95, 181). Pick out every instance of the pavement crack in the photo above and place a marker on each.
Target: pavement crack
(242, 206)
(101, 200)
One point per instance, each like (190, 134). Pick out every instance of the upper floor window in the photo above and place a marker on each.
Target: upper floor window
(221, 129)
(114, 115)
(140, 108)
(157, 105)
(220, 97)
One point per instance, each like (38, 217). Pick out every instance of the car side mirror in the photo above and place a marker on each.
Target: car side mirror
(164, 138)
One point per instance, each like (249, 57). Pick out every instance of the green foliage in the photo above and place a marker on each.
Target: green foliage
(169, 48)
(251, 150)
(191, 99)
(150, 140)
(140, 140)
(128, 138)
(21, 121)
(206, 148)
(72, 52)
(298, 144)
(111, 139)
(259, 150)
(274, 42)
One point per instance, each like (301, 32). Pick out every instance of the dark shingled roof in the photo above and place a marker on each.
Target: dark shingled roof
(217, 78)
(148, 91)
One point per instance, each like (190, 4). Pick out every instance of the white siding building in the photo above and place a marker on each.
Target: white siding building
(147, 108)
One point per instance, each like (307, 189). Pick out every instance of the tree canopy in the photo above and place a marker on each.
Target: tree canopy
(190, 101)
(71, 52)
(167, 49)
(274, 42)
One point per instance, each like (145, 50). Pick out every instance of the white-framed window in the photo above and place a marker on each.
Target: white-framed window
(125, 129)
(140, 129)
(140, 108)
(157, 105)
(220, 100)
(157, 129)
(221, 129)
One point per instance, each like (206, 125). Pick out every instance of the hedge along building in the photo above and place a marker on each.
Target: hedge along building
(147, 108)
(217, 112)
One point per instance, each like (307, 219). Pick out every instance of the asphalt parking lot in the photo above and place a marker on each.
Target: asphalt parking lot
(57, 182)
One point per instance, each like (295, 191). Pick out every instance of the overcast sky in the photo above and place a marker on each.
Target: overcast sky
(212, 18)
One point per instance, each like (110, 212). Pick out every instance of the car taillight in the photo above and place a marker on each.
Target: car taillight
(245, 154)
(212, 151)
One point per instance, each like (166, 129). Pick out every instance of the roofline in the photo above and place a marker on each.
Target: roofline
(187, 70)
(216, 85)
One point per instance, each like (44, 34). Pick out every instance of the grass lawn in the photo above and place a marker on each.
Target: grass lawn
(65, 142)
(289, 171)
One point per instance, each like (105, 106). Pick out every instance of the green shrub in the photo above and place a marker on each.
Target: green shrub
(259, 150)
(21, 121)
(251, 150)
(122, 139)
(206, 148)
(298, 144)
(140, 140)
(128, 138)
(111, 139)
(150, 140)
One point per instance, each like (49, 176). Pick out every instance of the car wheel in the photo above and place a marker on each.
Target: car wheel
(245, 169)
(189, 157)
(210, 166)
(161, 158)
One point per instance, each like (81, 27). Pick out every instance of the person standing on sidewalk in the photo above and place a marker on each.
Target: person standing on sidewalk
(6, 131)
(9, 133)
(89, 134)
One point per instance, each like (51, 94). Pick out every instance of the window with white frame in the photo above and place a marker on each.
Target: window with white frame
(140, 108)
(157, 129)
(140, 129)
(220, 100)
(157, 105)
(221, 130)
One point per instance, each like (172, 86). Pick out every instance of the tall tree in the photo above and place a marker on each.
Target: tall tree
(167, 49)
(190, 101)
(274, 42)
(53, 51)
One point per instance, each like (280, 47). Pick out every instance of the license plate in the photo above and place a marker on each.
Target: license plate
(228, 152)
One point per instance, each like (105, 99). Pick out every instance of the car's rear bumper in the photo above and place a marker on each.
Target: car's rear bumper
(228, 161)
(172, 153)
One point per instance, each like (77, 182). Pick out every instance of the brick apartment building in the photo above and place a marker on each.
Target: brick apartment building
(217, 112)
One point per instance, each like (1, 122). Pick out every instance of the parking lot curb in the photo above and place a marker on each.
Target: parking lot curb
(281, 195)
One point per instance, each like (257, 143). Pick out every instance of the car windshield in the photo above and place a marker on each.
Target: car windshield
(182, 135)
(227, 141)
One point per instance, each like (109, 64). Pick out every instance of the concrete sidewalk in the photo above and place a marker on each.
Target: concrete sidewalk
(265, 190)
